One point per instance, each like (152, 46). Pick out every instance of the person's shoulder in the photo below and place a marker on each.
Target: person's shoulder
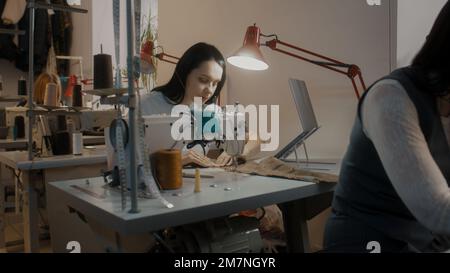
(388, 98)
(154, 98)
(387, 90)
(388, 85)
(155, 103)
(153, 95)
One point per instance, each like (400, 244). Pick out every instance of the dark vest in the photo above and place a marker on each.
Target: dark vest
(365, 192)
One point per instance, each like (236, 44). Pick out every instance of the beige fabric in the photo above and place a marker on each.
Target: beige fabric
(51, 66)
(277, 168)
(13, 11)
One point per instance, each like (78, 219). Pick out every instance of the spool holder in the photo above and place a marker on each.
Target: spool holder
(114, 97)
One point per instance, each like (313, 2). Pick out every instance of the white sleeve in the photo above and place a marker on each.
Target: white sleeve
(391, 121)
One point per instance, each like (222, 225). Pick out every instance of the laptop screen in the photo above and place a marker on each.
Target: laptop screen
(305, 113)
(303, 104)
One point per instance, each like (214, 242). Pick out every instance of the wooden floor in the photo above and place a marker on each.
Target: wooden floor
(14, 227)
(14, 238)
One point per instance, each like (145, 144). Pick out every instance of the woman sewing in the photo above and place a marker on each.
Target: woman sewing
(201, 73)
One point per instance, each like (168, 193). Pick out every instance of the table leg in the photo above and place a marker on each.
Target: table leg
(2, 212)
(16, 194)
(295, 226)
(30, 214)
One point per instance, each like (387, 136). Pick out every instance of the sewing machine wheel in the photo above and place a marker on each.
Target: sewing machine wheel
(118, 123)
(223, 235)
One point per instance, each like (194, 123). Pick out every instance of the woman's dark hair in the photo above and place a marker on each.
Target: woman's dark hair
(174, 90)
(434, 57)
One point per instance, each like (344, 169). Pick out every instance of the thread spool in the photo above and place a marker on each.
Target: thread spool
(22, 87)
(51, 95)
(61, 143)
(73, 80)
(77, 144)
(19, 127)
(103, 72)
(168, 169)
(61, 123)
(77, 99)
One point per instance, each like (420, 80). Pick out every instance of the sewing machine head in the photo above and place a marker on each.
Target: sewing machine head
(91, 120)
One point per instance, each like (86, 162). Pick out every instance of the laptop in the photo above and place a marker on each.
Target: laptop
(306, 114)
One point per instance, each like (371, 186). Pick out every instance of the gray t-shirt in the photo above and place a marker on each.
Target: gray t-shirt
(155, 103)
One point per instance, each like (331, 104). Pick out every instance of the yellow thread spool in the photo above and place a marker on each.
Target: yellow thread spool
(40, 87)
(51, 96)
(168, 169)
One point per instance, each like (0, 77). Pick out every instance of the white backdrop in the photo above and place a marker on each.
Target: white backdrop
(415, 19)
(348, 30)
(103, 31)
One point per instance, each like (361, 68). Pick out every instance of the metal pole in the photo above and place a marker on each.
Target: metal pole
(32, 10)
(132, 108)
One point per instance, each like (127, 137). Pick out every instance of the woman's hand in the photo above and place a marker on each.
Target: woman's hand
(251, 149)
(224, 160)
(192, 157)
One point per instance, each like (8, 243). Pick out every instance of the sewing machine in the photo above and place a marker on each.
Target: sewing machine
(60, 120)
(92, 121)
(16, 117)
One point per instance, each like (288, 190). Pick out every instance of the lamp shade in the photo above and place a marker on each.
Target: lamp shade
(249, 57)
(147, 66)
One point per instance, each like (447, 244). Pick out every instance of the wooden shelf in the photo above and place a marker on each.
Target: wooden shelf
(56, 7)
(106, 92)
(11, 99)
(11, 31)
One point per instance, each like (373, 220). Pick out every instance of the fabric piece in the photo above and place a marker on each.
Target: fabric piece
(273, 167)
(61, 30)
(2, 6)
(41, 41)
(13, 11)
(8, 49)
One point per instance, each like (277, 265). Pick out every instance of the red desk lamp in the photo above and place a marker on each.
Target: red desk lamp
(250, 57)
(147, 55)
(167, 58)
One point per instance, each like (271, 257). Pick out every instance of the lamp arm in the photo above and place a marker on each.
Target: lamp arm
(352, 71)
(167, 58)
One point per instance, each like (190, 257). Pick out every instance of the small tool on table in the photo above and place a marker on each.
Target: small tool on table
(197, 181)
